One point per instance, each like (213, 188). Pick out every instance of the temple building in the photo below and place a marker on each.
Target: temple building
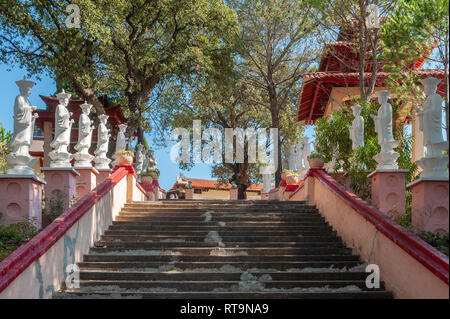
(209, 189)
(335, 83)
(44, 128)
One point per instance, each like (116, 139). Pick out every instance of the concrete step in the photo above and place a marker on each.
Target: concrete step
(225, 238)
(79, 294)
(240, 245)
(117, 275)
(108, 285)
(279, 251)
(272, 250)
(175, 233)
(303, 222)
(224, 259)
(216, 226)
(216, 214)
(217, 266)
(220, 202)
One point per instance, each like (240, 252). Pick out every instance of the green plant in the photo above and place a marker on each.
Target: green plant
(56, 204)
(5, 138)
(130, 153)
(440, 241)
(404, 220)
(15, 235)
(315, 155)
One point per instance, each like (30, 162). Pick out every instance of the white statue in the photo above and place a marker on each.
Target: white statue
(357, 128)
(85, 128)
(267, 172)
(101, 161)
(292, 158)
(299, 157)
(152, 163)
(306, 151)
(387, 157)
(121, 141)
(139, 159)
(130, 142)
(434, 164)
(267, 180)
(63, 125)
(19, 160)
(145, 164)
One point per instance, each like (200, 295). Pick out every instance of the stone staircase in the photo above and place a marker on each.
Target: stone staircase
(221, 249)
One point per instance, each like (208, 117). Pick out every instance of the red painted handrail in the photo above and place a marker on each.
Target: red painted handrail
(427, 255)
(13, 265)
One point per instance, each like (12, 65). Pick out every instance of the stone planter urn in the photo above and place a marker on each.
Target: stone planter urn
(316, 162)
(124, 159)
(146, 179)
(291, 180)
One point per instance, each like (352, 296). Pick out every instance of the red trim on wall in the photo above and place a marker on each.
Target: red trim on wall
(291, 188)
(20, 259)
(427, 255)
(298, 189)
(141, 189)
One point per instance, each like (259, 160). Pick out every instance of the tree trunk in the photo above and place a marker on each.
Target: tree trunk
(242, 191)
(276, 124)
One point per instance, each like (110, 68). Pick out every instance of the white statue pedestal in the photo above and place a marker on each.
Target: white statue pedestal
(60, 160)
(430, 204)
(387, 158)
(434, 167)
(20, 164)
(83, 160)
(389, 191)
(102, 163)
(60, 186)
(21, 199)
(103, 174)
(86, 181)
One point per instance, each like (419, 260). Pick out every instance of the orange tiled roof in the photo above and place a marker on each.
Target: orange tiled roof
(212, 184)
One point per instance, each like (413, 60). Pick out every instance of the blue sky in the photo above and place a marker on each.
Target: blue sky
(46, 86)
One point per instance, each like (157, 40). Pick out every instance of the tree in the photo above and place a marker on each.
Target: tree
(33, 34)
(220, 101)
(346, 21)
(276, 47)
(333, 142)
(5, 138)
(409, 34)
(122, 48)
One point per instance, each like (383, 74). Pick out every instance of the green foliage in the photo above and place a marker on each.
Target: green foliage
(15, 235)
(404, 220)
(56, 205)
(123, 48)
(5, 138)
(440, 241)
(314, 155)
(414, 30)
(333, 141)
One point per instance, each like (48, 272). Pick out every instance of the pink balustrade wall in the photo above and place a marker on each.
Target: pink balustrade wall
(410, 267)
(37, 269)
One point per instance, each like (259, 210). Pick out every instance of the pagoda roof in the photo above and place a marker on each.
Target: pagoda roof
(115, 112)
(317, 86)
